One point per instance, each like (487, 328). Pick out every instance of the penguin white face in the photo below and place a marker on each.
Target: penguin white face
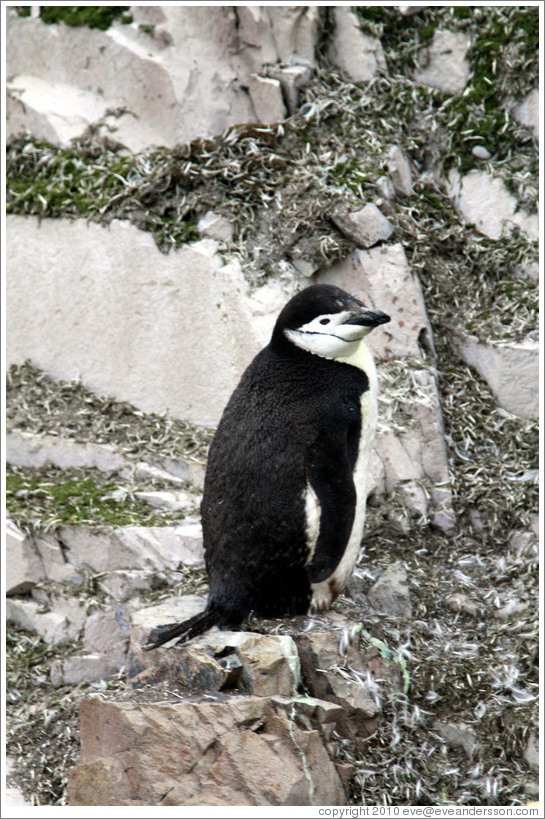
(333, 335)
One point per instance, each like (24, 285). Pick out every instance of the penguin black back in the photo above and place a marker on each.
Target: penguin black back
(280, 502)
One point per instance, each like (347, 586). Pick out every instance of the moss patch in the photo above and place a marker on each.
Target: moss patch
(50, 497)
(100, 17)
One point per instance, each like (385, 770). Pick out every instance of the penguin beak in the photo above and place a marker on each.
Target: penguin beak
(367, 318)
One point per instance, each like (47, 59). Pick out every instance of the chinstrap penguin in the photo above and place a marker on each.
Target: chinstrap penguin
(284, 496)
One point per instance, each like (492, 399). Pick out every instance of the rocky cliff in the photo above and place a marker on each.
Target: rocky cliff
(167, 192)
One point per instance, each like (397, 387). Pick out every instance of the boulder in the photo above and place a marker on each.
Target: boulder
(24, 565)
(344, 672)
(52, 626)
(365, 227)
(458, 735)
(125, 318)
(399, 172)
(267, 100)
(133, 547)
(382, 279)
(357, 55)
(483, 200)
(33, 450)
(186, 752)
(526, 111)
(216, 227)
(390, 595)
(496, 362)
(446, 65)
(265, 664)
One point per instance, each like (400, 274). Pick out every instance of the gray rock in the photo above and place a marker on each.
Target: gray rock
(366, 227)
(119, 348)
(390, 593)
(83, 668)
(527, 112)
(55, 566)
(292, 79)
(123, 584)
(153, 548)
(399, 171)
(216, 227)
(269, 664)
(267, 100)
(171, 501)
(496, 362)
(485, 202)
(52, 626)
(447, 67)
(107, 633)
(182, 85)
(461, 602)
(357, 55)
(458, 735)
(480, 152)
(33, 450)
(24, 565)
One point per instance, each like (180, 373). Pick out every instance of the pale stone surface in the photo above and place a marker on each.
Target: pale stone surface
(182, 85)
(83, 668)
(399, 171)
(55, 566)
(24, 566)
(357, 55)
(123, 584)
(390, 593)
(484, 201)
(185, 754)
(50, 625)
(134, 547)
(173, 501)
(124, 317)
(267, 100)
(107, 632)
(366, 227)
(381, 278)
(291, 78)
(447, 67)
(12, 795)
(527, 111)
(216, 227)
(30, 449)
(511, 370)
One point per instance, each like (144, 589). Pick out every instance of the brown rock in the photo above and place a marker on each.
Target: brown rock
(268, 663)
(352, 680)
(237, 751)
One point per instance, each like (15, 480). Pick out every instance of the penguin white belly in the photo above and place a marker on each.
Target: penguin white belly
(325, 592)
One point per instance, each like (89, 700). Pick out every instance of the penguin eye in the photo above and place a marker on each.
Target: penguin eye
(325, 321)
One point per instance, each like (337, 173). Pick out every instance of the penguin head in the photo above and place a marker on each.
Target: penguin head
(326, 321)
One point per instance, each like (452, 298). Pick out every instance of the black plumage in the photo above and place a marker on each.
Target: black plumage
(293, 420)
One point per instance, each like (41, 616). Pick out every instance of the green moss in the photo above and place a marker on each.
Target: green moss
(100, 17)
(50, 497)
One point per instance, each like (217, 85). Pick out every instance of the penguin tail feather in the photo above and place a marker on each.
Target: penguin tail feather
(185, 631)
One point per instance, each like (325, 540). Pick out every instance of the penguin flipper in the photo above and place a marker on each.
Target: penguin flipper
(185, 631)
(330, 474)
